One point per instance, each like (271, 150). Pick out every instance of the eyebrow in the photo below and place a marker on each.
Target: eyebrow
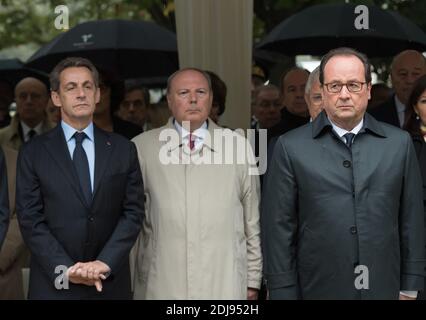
(75, 83)
(349, 80)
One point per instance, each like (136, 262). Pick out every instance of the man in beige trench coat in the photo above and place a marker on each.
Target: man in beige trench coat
(201, 237)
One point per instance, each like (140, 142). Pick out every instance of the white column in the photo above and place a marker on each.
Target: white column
(216, 35)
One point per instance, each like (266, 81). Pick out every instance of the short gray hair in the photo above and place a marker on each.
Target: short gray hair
(174, 74)
(314, 76)
(268, 87)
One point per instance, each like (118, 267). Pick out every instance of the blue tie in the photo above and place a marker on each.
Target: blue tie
(82, 166)
(349, 139)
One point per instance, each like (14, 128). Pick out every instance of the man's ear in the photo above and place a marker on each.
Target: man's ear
(369, 90)
(98, 95)
(168, 102)
(55, 98)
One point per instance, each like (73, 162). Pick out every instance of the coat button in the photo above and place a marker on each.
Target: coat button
(91, 219)
(347, 164)
(353, 230)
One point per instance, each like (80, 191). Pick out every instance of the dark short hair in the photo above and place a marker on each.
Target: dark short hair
(344, 51)
(412, 124)
(219, 91)
(69, 63)
(129, 87)
(174, 74)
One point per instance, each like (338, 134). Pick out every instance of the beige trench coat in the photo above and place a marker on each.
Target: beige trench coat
(201, 235)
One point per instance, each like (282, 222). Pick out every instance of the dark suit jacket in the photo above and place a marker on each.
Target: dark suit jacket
(327, 209)
(61, 229)
(125, 128)
(386, 112)
(4, 199)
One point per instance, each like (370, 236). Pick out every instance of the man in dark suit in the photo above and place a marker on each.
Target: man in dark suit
(406, 68)
(4, 199)
(342, 212)
(79, 197)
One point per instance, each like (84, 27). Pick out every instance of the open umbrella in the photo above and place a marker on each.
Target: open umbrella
(123, 48)
(14, 70)
(320, 28)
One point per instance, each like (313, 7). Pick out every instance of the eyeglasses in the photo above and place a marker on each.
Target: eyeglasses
(336, 87)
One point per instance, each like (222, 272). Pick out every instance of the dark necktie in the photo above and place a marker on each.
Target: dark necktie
(191, 141)
(349, 139)
(31, 134)
(82, 166)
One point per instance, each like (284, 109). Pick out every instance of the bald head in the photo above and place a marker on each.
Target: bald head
(293, 91)
(406, 68)
(31, 99)
(267, 106)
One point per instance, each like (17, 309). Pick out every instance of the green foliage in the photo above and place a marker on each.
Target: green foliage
(32, 21)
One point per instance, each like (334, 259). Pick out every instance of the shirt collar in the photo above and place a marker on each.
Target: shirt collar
(69, 131)
(200, 133)
(341, 132)
(26, 129)
(400, 107)
(370, 124)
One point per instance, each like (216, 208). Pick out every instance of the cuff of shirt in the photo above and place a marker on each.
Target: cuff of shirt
(410, 294)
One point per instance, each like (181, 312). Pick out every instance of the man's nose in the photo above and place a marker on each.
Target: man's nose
(344, 93)
(81, 92)
(300, 93)
(193, 97)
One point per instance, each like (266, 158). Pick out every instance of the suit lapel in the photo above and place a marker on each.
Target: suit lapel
(103, 148)
(58, 150)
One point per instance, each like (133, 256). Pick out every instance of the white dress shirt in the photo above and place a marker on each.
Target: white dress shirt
(198, 135)
(26, 130)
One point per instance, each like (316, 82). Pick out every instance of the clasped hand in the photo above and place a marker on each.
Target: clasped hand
(90, 273)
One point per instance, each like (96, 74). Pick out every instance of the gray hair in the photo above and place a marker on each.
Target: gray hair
(174, 74)
(402, 53)
(268, 87)
(314, 76)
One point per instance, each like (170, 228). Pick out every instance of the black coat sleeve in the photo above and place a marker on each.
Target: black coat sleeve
(127, 230)
(30, 211)
(279, 226)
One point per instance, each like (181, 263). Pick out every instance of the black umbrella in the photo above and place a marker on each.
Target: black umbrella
(123, 48)
(14, 70)
(320, 28)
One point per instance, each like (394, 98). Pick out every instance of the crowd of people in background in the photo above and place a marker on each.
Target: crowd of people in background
(345, 186)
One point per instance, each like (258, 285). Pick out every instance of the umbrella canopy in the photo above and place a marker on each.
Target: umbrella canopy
(320, 28)
(14, 70)
(123, 48)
